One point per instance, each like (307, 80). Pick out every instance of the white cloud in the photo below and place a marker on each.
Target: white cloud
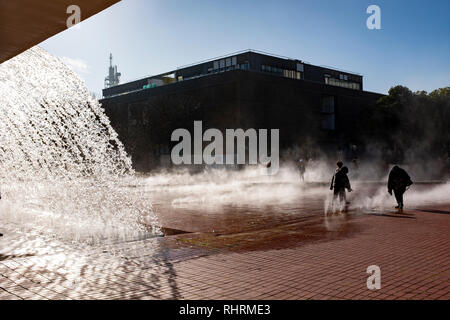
(77, 65)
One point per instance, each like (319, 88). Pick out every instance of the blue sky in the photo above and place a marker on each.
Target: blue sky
(153, 36)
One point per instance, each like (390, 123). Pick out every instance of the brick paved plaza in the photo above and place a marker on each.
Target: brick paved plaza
(411, 249)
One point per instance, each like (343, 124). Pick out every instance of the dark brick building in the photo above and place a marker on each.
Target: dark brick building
(307, 103)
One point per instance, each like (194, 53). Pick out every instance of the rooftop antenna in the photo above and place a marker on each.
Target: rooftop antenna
(113, 78)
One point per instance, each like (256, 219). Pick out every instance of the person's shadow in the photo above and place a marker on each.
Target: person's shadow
(398, 214)
(434, 211)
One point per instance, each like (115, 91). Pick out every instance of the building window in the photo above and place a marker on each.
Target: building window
(282, 72)
(341, 83)
(225, 64)
(328, 113)
(244, 66)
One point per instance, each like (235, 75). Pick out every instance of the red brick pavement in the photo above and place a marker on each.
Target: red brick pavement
(412, 252)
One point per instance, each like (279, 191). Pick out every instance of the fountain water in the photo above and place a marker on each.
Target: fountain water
(63, 170)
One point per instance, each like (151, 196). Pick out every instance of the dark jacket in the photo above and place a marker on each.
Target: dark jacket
(340, 179)
(398, 179)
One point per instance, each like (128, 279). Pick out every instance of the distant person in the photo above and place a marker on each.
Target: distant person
(355, 167)
(340, 182)
(399, 181)
(301, 169)
(355, 163)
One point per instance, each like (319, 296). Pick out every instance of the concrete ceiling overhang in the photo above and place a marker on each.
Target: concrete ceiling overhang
(26, 23)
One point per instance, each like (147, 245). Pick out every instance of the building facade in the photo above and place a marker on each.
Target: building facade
(315, 108)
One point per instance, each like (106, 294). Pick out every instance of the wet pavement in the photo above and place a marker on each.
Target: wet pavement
(245, 241)
(256, 216)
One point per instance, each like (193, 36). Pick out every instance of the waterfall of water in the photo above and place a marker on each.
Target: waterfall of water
(63, 169)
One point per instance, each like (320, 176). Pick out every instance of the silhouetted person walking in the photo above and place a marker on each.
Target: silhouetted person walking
(340, 182)
(399, 181)
(301, 169)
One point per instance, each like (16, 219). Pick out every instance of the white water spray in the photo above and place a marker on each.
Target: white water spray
(63, 169)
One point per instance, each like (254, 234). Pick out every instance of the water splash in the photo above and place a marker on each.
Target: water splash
(63, 169)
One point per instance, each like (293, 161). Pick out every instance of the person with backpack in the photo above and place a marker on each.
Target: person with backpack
(340, 182)
(399, 181)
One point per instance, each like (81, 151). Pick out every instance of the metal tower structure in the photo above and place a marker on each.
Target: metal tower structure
(113, 78)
